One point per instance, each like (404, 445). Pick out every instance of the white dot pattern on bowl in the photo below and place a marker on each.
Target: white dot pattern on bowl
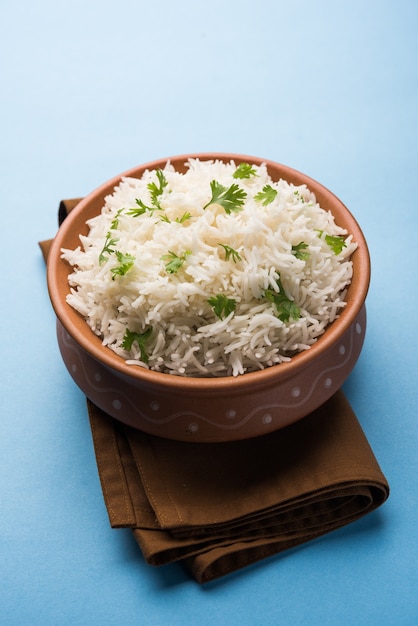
(121, 399)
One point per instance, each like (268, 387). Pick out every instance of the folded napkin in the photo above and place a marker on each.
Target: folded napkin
(218, 507)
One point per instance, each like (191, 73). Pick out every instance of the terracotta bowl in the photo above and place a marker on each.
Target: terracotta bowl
(209, 409)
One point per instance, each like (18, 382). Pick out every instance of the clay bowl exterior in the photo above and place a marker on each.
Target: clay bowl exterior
(209, 409)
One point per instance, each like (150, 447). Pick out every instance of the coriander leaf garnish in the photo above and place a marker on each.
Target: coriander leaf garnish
(286, 309)
(335, 242)
(143, 208)
(266, 196)
(299, 196)
(115, 222)
(244, 170)
(108, 248)
(125, 262)
(131, 337)
(157, 190)
(300, 251)
(222, 305)
(139, 210)
(173, 261)
(186, 216)
(230, 253)
(230, 198)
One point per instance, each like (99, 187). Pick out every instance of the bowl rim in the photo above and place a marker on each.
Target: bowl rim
(92, 344)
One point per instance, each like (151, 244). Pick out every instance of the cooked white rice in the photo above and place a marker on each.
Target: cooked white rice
(183, 334)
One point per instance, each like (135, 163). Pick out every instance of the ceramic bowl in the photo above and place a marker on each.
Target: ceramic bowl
(209, 409)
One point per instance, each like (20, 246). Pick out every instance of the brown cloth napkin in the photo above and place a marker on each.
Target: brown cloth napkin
(219, 507)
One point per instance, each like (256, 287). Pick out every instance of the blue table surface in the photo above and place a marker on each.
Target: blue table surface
(90, 89)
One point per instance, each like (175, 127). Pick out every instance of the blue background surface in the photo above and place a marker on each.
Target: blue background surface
(89, 89)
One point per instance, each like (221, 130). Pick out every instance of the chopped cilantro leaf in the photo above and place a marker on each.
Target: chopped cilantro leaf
(244, 170)
(230, 198)
(186, 216)
(230, 253)
(139, 210)
(286, 309)
(173, 261)
(143, 208)
(156, 190)
(222, 305)
(266, 196)
(300, 251)
(115, 222)
(125, 262)
(299, 196)
(140, 338)
(335, 242)
(108, 248)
